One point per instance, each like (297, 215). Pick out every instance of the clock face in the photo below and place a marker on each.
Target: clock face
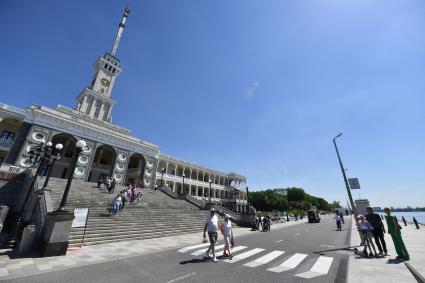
(104, 82)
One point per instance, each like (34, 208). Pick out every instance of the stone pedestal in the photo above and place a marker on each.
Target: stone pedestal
(54, 241)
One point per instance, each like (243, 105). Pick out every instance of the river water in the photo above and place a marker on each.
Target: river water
(419, 215)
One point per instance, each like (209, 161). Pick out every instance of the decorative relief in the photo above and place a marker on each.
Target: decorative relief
(38, 136)
(120, 166)
(83, 159)
(122, 157)
(118, 176)
(25, 162)
(79, 171)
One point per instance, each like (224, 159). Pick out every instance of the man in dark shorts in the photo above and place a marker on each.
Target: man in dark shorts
(212, 225)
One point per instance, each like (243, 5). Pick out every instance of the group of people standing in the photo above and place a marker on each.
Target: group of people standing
(371, 226)
(108, 183)
(129, 195)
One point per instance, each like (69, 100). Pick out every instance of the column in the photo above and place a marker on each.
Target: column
(196, 192)
(101, 111)
(93, 108)
(166, 168)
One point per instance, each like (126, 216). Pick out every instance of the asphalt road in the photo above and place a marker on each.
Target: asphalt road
(299, 253)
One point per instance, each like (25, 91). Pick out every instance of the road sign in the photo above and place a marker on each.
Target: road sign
(354, 183)
(80, 217)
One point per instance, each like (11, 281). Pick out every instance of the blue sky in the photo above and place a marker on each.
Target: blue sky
(258, 87)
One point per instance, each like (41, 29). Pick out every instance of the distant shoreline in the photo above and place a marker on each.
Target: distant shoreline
(396, 210)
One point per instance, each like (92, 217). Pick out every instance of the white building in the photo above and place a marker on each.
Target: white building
(111, 149)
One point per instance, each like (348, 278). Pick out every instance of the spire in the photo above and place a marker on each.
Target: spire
(121, 27)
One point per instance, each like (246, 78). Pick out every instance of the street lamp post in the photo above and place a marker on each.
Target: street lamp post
(162, 177)
(345, 176)
(184, 175)
(78, 149)
(54, 156)
(40, 156)
(209, 192)
(247, 200)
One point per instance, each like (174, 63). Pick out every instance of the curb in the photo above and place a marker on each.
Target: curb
(415, 273)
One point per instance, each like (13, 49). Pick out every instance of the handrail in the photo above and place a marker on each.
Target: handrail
(168, 192)
(223, 210)
(195, 201)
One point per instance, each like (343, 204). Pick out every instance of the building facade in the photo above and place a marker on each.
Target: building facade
(111, 150)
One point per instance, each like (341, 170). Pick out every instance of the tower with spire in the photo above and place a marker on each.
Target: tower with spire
(95, 100)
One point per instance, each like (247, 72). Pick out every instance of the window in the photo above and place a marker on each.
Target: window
(6, 138)
(106, 66)
(1, 160)
(113, 70)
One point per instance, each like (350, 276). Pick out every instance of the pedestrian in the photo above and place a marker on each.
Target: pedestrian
(227, 235)
(342, 217)
(99, 181)
(366, 234)
(108, 184)
(116, 203)
(156, 188)
(338, 222)
(211, 224)
(394, 230)
(113, 183)
(378, 230)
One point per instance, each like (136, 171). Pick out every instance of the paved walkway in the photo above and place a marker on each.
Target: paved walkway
(387, 269)
(13, 265)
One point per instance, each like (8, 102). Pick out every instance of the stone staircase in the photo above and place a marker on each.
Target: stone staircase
(158, 215)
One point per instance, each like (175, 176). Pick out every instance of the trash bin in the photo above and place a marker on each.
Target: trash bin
(28, 237)
(4, 210)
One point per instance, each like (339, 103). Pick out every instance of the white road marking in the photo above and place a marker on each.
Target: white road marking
(181, 277)
(320, 267)
(238, 248)
(327, 246)
(289, 264)
(279, 241)
(297, 234)
(264, 259)
(306, 230)
(244, 255)
(183, 250)
(199, 252)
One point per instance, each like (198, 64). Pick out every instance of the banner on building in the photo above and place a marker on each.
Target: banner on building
(354, 183)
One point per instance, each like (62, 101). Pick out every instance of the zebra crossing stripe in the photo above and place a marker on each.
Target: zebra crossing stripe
(289, 264)
(238, 248)
(320, 267)
(201, 251)
(244, 255)
(264, 259)
(183, 250)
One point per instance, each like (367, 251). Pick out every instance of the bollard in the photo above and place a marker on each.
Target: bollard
(404, 220)
(416, 222)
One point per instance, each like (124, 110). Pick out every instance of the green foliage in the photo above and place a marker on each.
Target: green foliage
(282, 199)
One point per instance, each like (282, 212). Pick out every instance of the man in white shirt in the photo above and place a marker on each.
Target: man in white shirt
(212, 225)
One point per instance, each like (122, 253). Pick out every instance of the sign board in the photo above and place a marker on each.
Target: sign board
(80, 217)
(354, 183)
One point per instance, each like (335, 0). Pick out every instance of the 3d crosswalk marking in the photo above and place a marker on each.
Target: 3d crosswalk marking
(183, 250)
(199, 252)
(244, 255)
(264, 259)
(320, 267)
(289, 264)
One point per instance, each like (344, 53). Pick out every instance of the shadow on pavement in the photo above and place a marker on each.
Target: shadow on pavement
(193, 260)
